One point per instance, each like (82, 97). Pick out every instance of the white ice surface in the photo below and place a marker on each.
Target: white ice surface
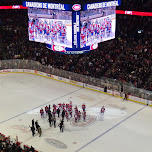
(125, 126)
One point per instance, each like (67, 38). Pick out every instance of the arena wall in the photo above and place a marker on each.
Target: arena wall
(80, 84)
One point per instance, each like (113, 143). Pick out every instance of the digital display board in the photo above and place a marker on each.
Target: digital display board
(97, 25)
(50, 26)
(71, 29)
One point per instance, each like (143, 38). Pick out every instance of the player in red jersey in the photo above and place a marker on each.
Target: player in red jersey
(67, 115)
(83, 40)
(103, 109)
(63, 106)
(48, 32)
(76, 117)
(84, 115)
(46, 109)
(79, 115)
(70, 104)
(59, 105)
(31, 30)
(101, 32)
(63, 35)
(70, 112)
(76, 110)
(83, 107)
(42, 113)
(98, 31)
(54, 110)
(67, 106)
(87, 34)
(54, 106)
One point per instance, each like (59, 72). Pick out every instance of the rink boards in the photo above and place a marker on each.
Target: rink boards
(80, 84)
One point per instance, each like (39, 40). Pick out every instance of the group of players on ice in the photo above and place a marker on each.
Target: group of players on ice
(67, 112)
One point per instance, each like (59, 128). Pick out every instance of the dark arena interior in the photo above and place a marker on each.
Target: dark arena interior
(121, 67)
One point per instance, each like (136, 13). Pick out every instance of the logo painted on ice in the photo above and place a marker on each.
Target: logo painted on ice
(76, 7)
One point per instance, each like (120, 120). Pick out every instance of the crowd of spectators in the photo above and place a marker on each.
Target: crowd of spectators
(126, 58)
(8, 146)
(134, 64)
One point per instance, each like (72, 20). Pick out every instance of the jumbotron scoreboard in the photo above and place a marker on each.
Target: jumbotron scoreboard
(71, 29)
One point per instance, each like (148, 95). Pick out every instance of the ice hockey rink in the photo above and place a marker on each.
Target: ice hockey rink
(125, 127)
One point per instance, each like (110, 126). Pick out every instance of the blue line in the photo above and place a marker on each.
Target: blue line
(39, 106)
(108, 130)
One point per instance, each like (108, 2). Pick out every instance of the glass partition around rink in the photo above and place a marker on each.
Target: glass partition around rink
(102, 82)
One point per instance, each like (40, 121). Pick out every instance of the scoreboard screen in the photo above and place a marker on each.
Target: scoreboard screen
(50, 26)
(97, 25)
(71, 29)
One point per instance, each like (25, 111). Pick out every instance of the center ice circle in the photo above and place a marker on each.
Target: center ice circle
(89, 120)
(18, 81)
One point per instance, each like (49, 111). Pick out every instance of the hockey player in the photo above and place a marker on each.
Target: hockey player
(54, 109)
(54, 106)
(60, 105)
(70, 105)
(40, 131)
(46, 109)
(103, 109)
(76, 118)
(98, 31)
(70, 113)
(42, 113)
(33, 130)
(54, 122)
(50, 121)
(83, 40)
(126, 96)
(61, 126)
(83, 107)
(76, 110)
(67, 106)
(31, 30)
(32, 122)
(63, 114)
(36, 125)
(84, 115)
(67, 115)
(49, 107)
(63, 35)
(58, 112)
(79, 115)
(63, 106)
(48, 32)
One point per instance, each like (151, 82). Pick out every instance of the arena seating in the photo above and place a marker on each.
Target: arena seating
(126, 58)
(7, 145)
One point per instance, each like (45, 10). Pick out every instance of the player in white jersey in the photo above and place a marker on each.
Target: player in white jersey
(103, 110)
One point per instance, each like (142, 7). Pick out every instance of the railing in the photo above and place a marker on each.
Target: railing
(102, 82)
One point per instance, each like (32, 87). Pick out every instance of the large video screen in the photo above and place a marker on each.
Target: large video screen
(97, 25)
(71, 28)
(50, 26)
